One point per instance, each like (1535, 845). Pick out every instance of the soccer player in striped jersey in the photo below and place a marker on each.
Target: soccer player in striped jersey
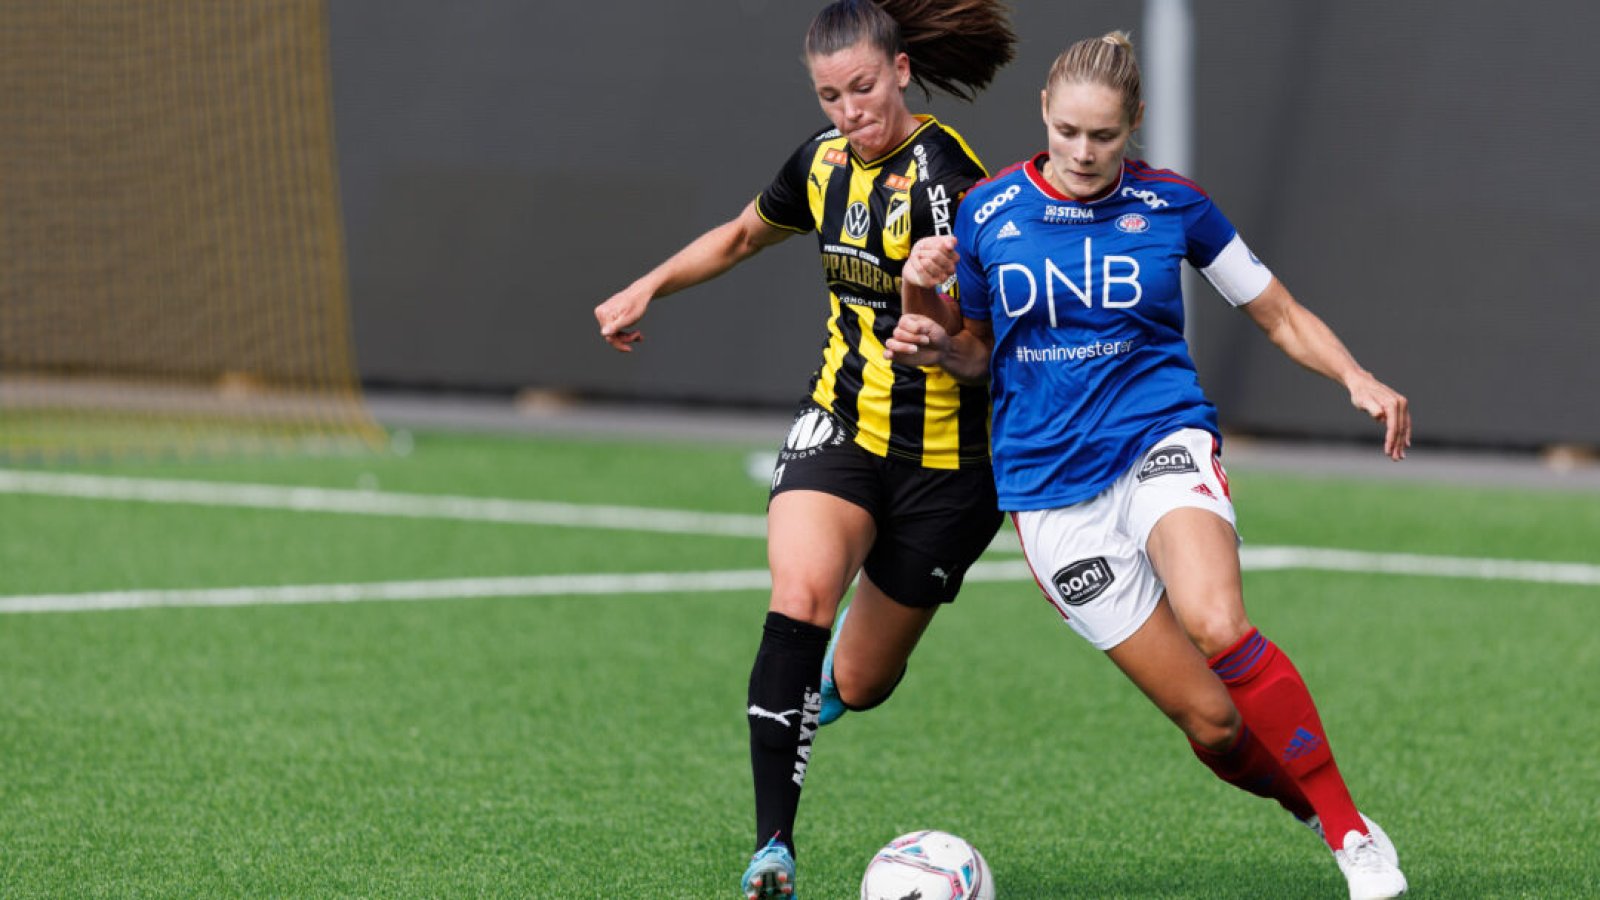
(884, 478)
(1107, 452)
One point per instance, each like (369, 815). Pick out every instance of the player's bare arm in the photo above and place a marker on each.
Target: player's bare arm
(706, 257)
(932, 262)
(1307, 340)
(920, 341)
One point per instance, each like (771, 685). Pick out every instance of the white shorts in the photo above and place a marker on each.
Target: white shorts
(1089, 558)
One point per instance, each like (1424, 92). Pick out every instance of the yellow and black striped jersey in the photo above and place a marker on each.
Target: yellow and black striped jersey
(866, 216)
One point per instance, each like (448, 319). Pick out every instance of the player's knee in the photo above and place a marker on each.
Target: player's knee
(804, 602)
(1216, 629)
(863, 686)
(1214, 726)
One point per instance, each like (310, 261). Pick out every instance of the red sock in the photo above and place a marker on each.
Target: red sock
(1275, 704)
(1249, 766)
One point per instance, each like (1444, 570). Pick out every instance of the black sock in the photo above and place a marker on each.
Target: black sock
(785, 700)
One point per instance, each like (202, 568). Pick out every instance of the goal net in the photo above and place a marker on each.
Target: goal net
(172, 275)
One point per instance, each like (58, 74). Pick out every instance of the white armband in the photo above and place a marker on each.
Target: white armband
(1236, 273)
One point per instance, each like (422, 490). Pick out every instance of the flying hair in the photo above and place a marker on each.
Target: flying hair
(1107, 60)
(955, 46)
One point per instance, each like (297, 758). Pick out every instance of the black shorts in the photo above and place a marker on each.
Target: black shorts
(932, 523)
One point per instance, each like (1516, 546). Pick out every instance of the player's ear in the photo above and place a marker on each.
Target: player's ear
(902, 70)
(1138, 117)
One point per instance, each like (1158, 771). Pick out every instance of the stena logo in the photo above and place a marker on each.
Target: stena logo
(995, 202)
(856, 220)
(1069, 214)
(1084, 580)
(1133, 223)
(1149, 197)
(1173, 459)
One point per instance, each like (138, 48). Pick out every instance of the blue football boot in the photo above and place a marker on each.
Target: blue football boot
(832, 706)
(770, 874)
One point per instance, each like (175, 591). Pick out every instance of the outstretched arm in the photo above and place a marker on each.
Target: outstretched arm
(1309, 341)
(706, 257)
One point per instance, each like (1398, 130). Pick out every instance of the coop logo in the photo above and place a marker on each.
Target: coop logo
(1069, 214)
(995, 202)
(835, 157)
(1084, 580)
(1173, 460)
(1133, 223)
(1149, 197)
(898, 183)
(856, 219)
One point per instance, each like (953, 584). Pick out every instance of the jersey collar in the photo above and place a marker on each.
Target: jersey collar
(1034, 169)
(927, 122)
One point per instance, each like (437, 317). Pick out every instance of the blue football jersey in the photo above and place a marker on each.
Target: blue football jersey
(1090, 367)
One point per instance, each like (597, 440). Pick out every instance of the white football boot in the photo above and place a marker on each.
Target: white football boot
(1368, 872)
(1385, 846)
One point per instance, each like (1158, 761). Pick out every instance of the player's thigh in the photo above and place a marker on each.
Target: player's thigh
(1197, 556)
(1162, 662)
(881, 633)
(1179, 508)
(815, 546)
(1090, 569)
(821, 516)
(934, 526)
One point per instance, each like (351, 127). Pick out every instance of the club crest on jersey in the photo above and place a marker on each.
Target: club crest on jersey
(1133, 223)
(836, 157)
(1173, 459)
(897, 220)
(856, 220)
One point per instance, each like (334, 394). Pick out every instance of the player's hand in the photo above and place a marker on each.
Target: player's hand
(931, 263)
(1386, 405)
(918, 341)
(616, 315)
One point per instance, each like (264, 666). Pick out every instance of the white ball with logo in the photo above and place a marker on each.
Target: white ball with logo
(928, 865)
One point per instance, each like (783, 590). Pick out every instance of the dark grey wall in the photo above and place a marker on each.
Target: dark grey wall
(1422, 176)
(1415, 179)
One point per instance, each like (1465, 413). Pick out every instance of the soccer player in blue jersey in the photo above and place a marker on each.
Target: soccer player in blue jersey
(1107, 452)
(884, 478)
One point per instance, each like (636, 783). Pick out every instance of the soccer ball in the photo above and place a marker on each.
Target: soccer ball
(928, 865)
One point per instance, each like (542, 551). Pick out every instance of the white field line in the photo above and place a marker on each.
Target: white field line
(376, 503)
(373, 503)
(1257, 559)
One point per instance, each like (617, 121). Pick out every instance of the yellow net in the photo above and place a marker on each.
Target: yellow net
(171, 252)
